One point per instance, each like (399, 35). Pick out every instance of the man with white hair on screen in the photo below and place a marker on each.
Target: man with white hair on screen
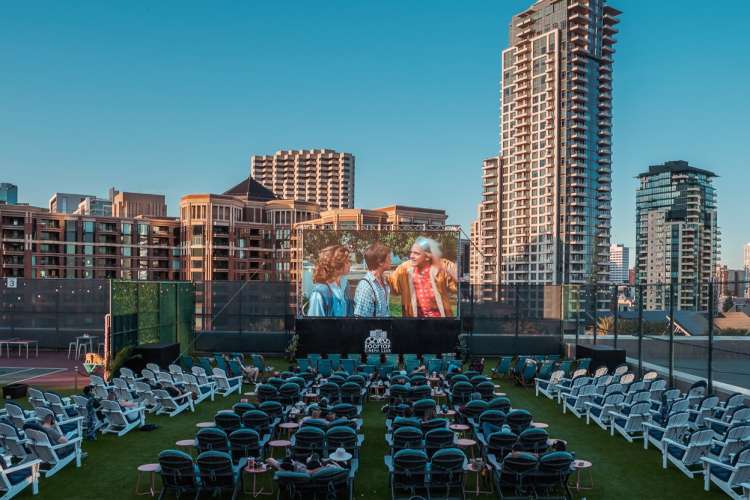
(425, 282)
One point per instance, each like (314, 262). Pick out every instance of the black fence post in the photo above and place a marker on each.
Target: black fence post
(517, 320)
(671, 333)
(710, 337)
(593, 309)
(615, 291)
(578, 311)
(639, 291)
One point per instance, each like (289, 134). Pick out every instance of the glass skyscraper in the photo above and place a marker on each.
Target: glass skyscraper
(8, 193)
(677, 238)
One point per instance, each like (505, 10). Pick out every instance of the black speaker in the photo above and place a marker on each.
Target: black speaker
(161, 354)
(15, 391)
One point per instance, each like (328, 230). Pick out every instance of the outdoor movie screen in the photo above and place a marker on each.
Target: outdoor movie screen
(348, 273)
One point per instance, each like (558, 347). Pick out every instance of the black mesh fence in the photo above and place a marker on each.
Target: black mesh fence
(52, 311)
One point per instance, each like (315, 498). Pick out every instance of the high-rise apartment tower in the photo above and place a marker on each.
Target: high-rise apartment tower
(677, 238)
(555, 143)
(321, 176)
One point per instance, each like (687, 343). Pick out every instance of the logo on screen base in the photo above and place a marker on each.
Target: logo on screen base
(377, 342)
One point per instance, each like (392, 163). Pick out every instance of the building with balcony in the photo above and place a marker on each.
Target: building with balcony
(242, 234)
(677, 237)
(619, 264)
(36, 243)
(321, 176)
(8, 193)
(552, 215)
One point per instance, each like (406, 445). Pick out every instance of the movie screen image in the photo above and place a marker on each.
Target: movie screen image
(378, 274)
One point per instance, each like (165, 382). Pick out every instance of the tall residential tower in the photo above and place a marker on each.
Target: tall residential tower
(677, 238)
(554, 184)
(321, 176)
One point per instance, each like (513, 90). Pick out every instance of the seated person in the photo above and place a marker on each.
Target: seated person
(313, 464)
(52, 430)
(314, 413)
(250, 373)
(93, 414)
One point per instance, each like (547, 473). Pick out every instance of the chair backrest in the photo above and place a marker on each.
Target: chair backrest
(257, 420)
(741, 414)
(244, 443)
(501, 403)
(153, 367)
(273, 409)
(40, 446)
(437, 439)
(341, 437)
(433, 423)
(212, 439)
(177, 471)
(407, 437)
(534, 440)
(241, 408)
(409, 468)
(516, 465)
(113, 412)
(495, 417)
(344, 410)
(474, 408)
(698, 446)
(447, 467)
(423, 406)
(216, 470)
(11, 441)
(518, 420)
(267, 392)
(501, 443)
(175, 369)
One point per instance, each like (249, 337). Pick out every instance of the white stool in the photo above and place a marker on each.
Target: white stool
(100, 349)
(73, 346)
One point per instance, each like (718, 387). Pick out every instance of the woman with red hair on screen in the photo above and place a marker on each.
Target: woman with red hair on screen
(328, 297)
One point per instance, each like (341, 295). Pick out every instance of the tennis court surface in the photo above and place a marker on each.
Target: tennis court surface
(13, 374)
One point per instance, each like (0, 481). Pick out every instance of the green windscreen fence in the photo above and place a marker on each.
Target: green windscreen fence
(151, 313)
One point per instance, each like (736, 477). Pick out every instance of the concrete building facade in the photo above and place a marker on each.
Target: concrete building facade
(321, 176)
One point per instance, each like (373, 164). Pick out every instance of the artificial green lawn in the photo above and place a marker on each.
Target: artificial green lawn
(621, 470)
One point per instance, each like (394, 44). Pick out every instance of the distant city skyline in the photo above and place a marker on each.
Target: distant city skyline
(108, 96)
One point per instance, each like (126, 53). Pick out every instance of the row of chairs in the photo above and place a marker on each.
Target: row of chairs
(694, 431)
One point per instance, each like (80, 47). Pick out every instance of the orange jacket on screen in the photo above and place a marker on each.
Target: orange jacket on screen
(402, 283)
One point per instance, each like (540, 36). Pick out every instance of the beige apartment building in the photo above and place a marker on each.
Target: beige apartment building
(547, 221)
(321, 176)
(134, 204)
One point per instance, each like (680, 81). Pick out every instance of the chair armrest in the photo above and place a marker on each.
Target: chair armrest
(591, 404)
(716, 421)
(182, 396)
(617, 414)
(67, 443)
(70, 420)
(22, 466)
(712, 461)
(388, 459)
(668, 442)
(654, 426)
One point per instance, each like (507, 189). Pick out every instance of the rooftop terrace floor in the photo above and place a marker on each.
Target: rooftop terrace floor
(620, 470)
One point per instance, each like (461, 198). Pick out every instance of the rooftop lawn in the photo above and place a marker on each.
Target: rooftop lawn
(621, 469)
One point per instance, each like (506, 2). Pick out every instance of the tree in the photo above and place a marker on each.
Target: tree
(605, 325)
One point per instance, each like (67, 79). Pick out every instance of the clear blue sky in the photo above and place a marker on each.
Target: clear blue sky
(174, 97)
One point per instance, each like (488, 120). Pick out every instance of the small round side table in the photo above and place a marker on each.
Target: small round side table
(579, 466)
(150, 469)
